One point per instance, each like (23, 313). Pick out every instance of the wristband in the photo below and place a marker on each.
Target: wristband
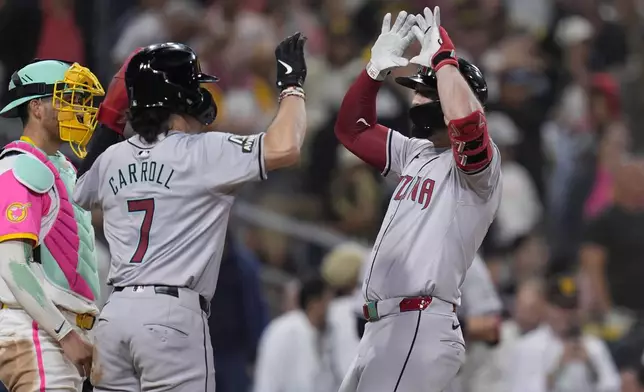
(375, 74)
(292, 91)
(64, 330)
(444, 58)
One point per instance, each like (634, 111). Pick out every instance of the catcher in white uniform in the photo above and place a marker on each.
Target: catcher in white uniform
(448, 194)
(48, 272)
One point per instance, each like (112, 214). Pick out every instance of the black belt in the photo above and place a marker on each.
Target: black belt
(173, 291)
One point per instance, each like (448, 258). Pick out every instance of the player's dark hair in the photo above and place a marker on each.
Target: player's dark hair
(311, 289)
(149, 123)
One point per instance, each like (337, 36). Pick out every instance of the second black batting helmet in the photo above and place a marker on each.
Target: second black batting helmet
(169, 76)
(429, 116)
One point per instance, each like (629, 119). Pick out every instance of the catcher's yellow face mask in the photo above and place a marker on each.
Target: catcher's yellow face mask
(73, 98)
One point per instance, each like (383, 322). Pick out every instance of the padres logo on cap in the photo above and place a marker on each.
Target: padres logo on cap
(17, 212)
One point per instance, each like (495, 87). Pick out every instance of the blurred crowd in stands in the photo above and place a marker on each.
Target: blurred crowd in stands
(566, 86)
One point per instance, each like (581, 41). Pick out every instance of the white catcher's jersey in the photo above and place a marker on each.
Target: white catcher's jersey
(166, 205)
(436, 221)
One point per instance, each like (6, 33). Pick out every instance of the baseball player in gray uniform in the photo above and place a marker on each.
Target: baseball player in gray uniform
(479, 316)
(480, 319)
(166, 195)
(448, 193)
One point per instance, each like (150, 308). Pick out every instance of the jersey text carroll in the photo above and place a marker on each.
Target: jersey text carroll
(141, 172)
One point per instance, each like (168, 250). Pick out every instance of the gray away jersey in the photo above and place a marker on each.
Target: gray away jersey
(479, 296)
(166, 205)
(436, 221)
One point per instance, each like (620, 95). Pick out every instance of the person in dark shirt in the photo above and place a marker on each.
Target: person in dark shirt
(237, 318)
(612, 262)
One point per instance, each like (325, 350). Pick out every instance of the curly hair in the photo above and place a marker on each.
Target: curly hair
(149, 123)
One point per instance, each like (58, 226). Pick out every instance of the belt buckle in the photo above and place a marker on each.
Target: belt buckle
(370, 311)
(85, 321)
(411, 304)
(424, 302)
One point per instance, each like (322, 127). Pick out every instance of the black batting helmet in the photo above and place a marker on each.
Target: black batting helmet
(428, 117)
(169, 76)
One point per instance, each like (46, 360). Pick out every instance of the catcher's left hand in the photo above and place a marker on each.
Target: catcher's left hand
(437, 48)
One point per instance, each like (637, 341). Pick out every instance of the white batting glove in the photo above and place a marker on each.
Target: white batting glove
(437, 48)
(387, 52)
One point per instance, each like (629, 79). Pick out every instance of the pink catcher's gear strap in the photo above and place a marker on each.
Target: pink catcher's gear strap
(62, 240)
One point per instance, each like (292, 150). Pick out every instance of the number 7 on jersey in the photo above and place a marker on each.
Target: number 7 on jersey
(147, 207)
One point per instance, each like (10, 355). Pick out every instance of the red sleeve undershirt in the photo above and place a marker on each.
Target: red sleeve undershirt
(358, 130)
(366, 139)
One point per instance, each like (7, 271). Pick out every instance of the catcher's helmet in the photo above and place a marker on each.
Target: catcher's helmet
(71, 89)
(169, 76)
(428, 117)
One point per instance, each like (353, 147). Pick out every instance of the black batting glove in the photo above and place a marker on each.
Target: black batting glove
(291, 66)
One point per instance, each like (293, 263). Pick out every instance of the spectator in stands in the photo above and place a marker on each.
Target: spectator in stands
(295, 350)
(510, 241)
(519, 87)
(158, 21)
(238, 316)
(635, 380)
(355, 197)
(574, 148)
(48, 29)
(329, 76)
(235, 31)
(559, 356)
(341, 269)
(249, 105)
(611, 260)
(527, 315)
(143, 27)
(605, 115)
(588, 190)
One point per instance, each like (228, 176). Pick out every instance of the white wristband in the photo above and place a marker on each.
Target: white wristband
(374, 73)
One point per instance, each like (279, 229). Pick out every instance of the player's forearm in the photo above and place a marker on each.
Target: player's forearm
(456, 97)
(359, 104)
(356, 126)
(23, 284)
(467, 128)
(285, 135)
(483, 328)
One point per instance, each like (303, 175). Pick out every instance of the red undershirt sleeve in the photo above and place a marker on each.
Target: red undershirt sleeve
(357, 129)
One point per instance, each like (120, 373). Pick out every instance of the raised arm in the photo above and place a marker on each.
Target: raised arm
(467, 127)
(285, 135)
(464, 117)
(356, 126)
